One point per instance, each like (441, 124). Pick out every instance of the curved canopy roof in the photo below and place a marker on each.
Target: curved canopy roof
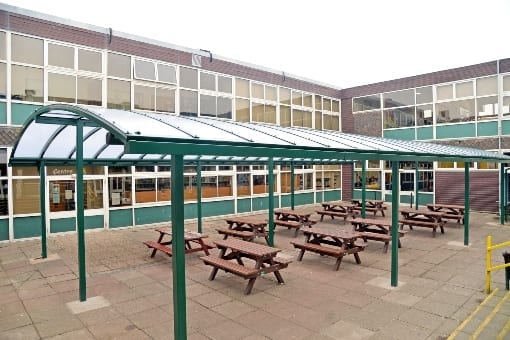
(115, 136)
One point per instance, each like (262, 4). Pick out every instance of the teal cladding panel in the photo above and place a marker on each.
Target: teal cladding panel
(60, 225)
(424, 133)
(406, 199)
(303, 199)
(425, 198)
(333, 195)
(4, 229)
(3, 113)
(371, 194)
(152, 215)
(121, 218)
(244, 205)
(505, 124)
(456, 131)
(94, 222)
(261, 203)
(218, 208)
(190, 211)
(27, 226)
(20, 112)
(487, 128)
(403, 134)
(318, 197)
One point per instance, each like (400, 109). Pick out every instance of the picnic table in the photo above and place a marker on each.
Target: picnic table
(337, 209)
(331, 242)
(193, 242)
(293, 218)
(451, 211)
(370, 205)
(422, 218)
(376, 229)
(264, 257)
(245, 227)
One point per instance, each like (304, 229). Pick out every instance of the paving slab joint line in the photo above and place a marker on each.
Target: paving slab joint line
(457, 330)
(491, 316)
(506, 328)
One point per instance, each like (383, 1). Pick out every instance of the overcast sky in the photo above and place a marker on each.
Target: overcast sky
(342, 43)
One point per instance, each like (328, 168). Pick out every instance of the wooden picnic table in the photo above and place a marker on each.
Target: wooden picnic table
(451, 211)
(337, 209)
(331, 242)
(370, 205)
(422, 218)
(264, 257)
(193, 242)
(376, 229)
(293, 218)
(245, 227)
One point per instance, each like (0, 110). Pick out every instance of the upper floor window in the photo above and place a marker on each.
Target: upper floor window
(119, 65)
(151, 71)
(188, 78)
(398, 98)
(486, 86)
(27, 50)
(3, 47)
(366, 103)
(74, 58)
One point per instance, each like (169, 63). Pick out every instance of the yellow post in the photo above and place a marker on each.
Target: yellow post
(488, 265)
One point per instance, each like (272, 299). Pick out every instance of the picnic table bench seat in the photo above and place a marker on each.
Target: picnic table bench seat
(422, 223)
(317, 248)
(372, 209)
(159, 246)
(294, 224)
(243, 234)
(230, 267)
(386, 238)
(453, 216)
(332, 214)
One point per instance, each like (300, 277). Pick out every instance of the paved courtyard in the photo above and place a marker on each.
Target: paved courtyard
(440, 283)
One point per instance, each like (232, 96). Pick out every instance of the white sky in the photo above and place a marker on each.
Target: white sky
(342, 43)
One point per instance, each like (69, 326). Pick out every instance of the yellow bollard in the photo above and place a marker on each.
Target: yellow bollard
(488, 265)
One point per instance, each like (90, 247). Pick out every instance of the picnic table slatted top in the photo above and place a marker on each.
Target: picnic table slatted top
(425, 212)
(446, 206)
(246, 220)
(250, 248)
(332, 232)
(188, 235)
(374, 221)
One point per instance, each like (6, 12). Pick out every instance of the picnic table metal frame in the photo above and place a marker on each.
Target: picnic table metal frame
(190, 238)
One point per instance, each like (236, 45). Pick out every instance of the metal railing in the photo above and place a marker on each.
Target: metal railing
(489, 267)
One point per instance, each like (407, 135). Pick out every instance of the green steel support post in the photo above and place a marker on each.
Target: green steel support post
(199, 196)
(178, 260)
(292, 183)
(270, 166)
(363, 188)
(394, 223)
(42, 202)
(80, 216)
(466, 203)
(352, 180)
(502, 189)
(417, 184)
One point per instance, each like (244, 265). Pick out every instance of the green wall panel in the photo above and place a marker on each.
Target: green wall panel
(505, 127)
(244, 205)
(94, 222)
(333, 195)
(403, 134)
(261, 203)
(20, 112)
(425, 199)
(371, 194)
(299, 199)
(4, 229)
(424, 133)
(27, 227)
(60, 225)
(456, 131)
(152, 215)
(487, 128)
(318, 197)
(190, 211)
(218, 208)
(121, 218)
(3, 113)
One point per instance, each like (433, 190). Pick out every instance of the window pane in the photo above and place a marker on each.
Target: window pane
(119, 94)
(25, 196)
(424, 95)
(61, 88)
(335, 123)
(27, 50)
(242, 110)
(207, 105)
(506, 105)
(260, 184)
(145, 190)
(90, 61)
(401, 117)
(163, 193)
(242, 88)
(486, 86)
(209, 186)
(326, 104)
(424, 115)
(270, 114)
(165, 100)
(4, 194)
(93, 192)
(3, 80)
(189, 103)
(464, 89)
(285, 115)
(62, 56)
(145, 70)
(398, 98)
(120, 189)
(457, 111)
(297, 98)
(188, 78)
(225, 107)
(167, 74)
(257, 91)
(487, 107)
(318, 102)
(271, 93)
(119, 66)
(61, 194)
(407, 181)
(225, 186)
(145, 168)
(445, 164)
(257, 110)
(336, 106)
(307, 100)
(506, 83)
(318, 120)
(27, 83)
(25, 171)
(243, 185)
(90, 91)
(3, 46)
(207, 81)
(366, 103)
(284, 96)
(119, 170)
(144, 98)
(224, 84)
(327, 122)
(444, 92)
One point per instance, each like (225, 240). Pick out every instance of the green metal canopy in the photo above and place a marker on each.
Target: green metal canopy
(70, 134)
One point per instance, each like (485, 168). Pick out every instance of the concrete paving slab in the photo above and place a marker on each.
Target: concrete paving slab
(92, 303)
(49, 258)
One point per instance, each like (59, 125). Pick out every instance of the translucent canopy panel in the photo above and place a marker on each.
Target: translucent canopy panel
(111, 136)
